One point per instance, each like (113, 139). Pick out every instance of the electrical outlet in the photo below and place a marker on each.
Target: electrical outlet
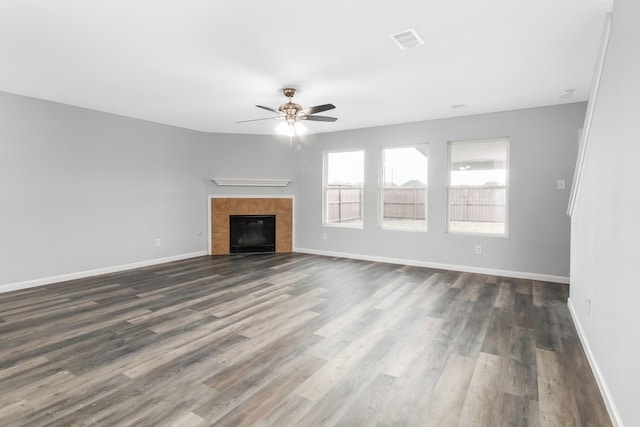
(561, 184)
(324, 236)
(157, 242)
(478, 249)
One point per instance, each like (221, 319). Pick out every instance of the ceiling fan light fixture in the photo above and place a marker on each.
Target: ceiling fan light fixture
(291, 128)
(291, 113)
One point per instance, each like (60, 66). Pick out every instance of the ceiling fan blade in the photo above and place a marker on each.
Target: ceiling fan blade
(255, 120)
(319, 118)
(268, 109)
(317, 109)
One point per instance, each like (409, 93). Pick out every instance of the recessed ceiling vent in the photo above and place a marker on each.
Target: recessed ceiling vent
(407, 38)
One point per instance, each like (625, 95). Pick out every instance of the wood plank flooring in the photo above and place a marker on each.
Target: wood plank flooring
(293, 340)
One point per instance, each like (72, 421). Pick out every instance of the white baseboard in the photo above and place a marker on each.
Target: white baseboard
(602, 384)
(454, 267)
(82, 274)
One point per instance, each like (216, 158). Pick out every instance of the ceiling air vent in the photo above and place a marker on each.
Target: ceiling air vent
(407, 38)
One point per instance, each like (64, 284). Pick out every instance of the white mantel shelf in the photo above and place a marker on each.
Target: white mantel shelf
(252, 182)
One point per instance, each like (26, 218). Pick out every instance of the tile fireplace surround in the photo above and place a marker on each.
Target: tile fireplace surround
(221, 208)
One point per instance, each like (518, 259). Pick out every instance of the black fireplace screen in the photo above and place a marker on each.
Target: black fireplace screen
(252, 233)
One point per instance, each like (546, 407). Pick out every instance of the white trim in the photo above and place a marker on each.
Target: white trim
(602, 384)
(593, 97)
(355, 226)
(325, 186)
(240, 182)
(209, 242)
(261, 196)
(96, 272)
(440, 266)
(506, 186)
(382, 187)
(252, 196)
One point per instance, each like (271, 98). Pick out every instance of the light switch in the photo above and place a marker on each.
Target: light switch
(561, 184)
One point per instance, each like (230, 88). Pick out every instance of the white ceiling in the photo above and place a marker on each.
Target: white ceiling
(204, 64)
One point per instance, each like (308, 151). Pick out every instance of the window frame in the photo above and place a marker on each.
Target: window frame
(325, 187)
(382, 187)
(506, 187)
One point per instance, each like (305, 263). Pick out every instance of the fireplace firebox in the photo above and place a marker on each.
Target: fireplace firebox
(252, 233)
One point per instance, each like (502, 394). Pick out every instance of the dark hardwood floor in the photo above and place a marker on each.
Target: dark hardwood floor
(293, 340)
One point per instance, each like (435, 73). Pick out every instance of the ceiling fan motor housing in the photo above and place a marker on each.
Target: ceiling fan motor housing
(293, 112)
(290, 109)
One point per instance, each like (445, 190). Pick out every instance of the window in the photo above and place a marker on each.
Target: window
(403, 189)
(477, 194)
(344, 176)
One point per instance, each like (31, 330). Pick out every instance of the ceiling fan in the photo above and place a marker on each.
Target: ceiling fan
(293, 113)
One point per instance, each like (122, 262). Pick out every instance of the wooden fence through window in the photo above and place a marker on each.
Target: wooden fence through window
(477, 204)
(404, 203)
(344, 204)
(467, 204)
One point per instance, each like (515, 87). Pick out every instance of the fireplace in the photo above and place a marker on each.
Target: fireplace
(252, 233)
(222, 208)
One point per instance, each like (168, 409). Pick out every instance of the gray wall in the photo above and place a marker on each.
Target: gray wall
(543, 148)
(606, 220)
(83, 190)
